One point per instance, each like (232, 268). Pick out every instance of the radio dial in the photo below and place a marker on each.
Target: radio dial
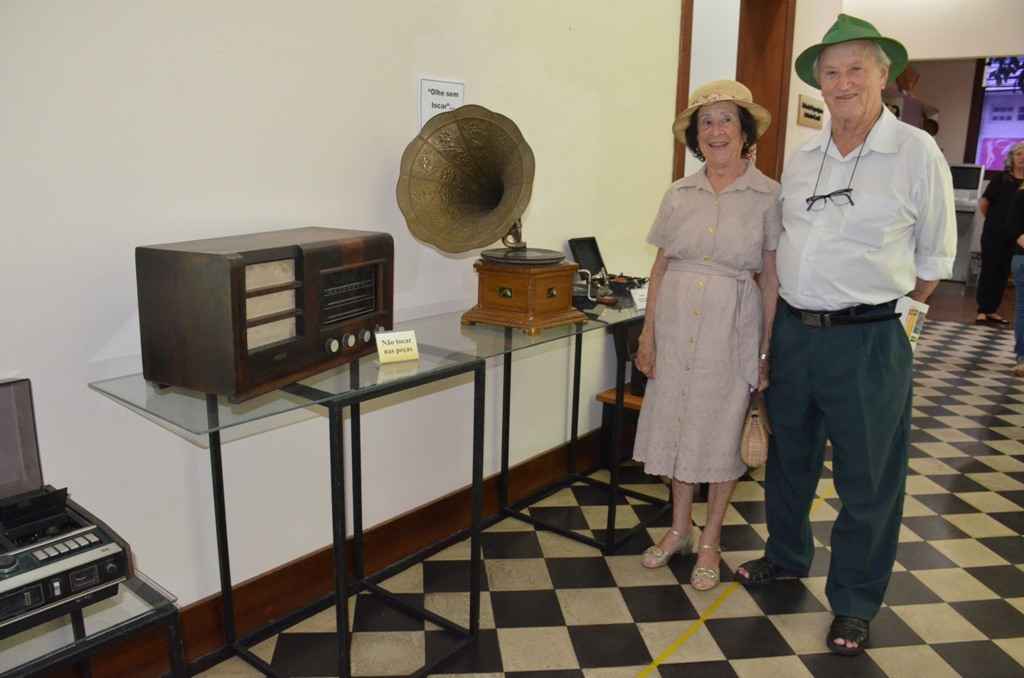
(332, 345)
(367, 336)
(111, 568)
(350, 340)
(8, 563)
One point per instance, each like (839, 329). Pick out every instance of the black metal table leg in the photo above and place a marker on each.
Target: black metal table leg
(613, 453)
(479, 377)
(82, 668)
(220, 520)
(338, 524)
(577, 362)
(358, 563)
(175, 648)
(506, 411)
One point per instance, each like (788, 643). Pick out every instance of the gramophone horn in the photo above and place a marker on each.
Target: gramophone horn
(465, 180)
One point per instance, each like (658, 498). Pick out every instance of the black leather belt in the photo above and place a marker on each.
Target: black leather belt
(854, 315)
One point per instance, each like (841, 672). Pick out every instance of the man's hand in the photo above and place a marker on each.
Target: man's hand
(922, 290)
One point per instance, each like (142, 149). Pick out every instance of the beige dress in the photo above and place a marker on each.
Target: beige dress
(708, 322)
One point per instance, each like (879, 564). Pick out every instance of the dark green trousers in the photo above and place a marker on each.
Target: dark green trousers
(852, 385)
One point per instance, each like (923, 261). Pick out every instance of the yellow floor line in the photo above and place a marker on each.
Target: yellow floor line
(689, 632)
(695, 626)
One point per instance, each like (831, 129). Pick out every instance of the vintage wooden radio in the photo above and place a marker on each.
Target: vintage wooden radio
(242, 315)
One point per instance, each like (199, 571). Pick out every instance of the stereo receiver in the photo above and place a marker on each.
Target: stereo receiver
(242, 315)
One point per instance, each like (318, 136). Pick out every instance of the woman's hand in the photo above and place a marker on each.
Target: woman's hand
(644, 357)
(762, 374)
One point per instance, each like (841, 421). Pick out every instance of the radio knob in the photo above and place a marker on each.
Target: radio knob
(332, 345)
(350, 340)
(111, 568)
(367, 336)
(8, 563)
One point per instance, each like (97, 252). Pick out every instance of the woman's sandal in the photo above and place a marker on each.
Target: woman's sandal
(704, 578)
(655, 556)
(850, 629)
(763, 571)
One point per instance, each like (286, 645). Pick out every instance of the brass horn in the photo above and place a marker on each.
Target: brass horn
(465, 180)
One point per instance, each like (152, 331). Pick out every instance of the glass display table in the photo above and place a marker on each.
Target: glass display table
(72, 639)
(447, 349)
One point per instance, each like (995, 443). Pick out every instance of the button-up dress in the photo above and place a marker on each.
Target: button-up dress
(708, 323)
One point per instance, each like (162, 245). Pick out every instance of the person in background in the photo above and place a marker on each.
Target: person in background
(706, 321)
(868, 217)
(1015, 226)
(997, 240)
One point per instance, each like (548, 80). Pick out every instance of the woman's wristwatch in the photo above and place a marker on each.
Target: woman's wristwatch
(764, 356)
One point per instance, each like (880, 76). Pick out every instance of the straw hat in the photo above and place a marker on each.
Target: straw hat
(845, 29)
(715, 92)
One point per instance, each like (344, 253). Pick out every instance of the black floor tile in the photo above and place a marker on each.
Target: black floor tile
(697, 670)
(830, 665)
(1016, 496)
(741, 538)
(373, 614)
(1013, 520)
(565, 517)
(658, 603)
(906, 589)
(994, 618)
(822, 531)
(920, 555)
(580, 573)
(957, 483)
(945, 504)
(654, 516)
(609, 645)
(1009, 548)
(933, 528)
(637, 543)
(785, 596)
(979, 434)
(979, 659)
(967, 464)
(445, 576)
(483, 656)
(752, 511)
(564, 673)
(888, 630)
(748, 637)
(1005, 581)
(633, 474)
(589, 495)
(820, 563)
(497, 545)
(305, 655)
(521, 609)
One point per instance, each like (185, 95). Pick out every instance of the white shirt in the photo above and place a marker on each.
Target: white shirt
(902, 225)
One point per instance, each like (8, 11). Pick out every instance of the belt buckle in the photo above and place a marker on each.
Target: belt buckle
(815, 319)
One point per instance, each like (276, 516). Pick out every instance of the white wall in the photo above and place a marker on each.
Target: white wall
(126, 124)
(948, 85)
(813, 17)
(716, 26)
(947, 29)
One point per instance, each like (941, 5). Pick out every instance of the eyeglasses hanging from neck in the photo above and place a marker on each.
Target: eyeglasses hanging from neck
(842, 197)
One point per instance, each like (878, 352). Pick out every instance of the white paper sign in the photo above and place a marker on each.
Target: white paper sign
(394, 347)
(912, 315)
(639, 295)
(438, 96)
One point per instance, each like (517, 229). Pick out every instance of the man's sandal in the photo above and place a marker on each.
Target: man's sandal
(763, 571)
(850, 629)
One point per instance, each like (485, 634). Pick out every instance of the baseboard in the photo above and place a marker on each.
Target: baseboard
(274, 594)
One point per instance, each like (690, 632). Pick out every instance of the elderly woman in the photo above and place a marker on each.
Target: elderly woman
(997, 241)
(707, 324)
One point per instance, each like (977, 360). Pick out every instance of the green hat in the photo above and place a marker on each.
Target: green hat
(845, 29)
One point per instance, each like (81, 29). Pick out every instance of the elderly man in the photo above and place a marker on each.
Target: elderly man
(868, 217)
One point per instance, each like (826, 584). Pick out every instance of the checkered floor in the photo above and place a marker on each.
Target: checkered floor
(556, 608)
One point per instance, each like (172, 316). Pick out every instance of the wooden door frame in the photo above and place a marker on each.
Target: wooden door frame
(764, 58)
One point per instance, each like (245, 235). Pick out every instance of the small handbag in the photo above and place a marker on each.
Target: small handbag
(756, 429)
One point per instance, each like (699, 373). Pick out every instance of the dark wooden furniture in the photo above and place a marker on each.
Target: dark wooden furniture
(527, 297)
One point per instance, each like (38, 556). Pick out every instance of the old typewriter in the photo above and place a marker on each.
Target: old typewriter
(54, 555)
